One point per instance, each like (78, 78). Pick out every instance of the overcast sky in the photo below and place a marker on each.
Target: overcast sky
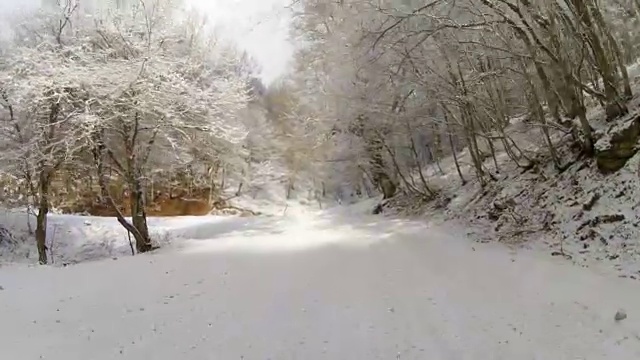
(259, 26)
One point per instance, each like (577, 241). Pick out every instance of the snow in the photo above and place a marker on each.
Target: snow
(74, 239)
(331, 284)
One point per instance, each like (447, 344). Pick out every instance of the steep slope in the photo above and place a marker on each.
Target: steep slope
(581, 214)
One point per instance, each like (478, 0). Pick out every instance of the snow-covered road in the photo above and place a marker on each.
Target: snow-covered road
(319, 287)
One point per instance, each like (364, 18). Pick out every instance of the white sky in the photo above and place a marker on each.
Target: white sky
(258, 26)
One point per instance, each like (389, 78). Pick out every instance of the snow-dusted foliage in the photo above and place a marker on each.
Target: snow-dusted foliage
(132, 88)
(393, 86)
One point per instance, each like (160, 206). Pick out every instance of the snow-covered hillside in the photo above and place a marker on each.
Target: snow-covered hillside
(317, 285)
(580, 214)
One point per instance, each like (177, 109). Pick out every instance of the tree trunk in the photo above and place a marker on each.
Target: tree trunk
(139, 217)
(381, 178)
(138, 227)
(492, 150)
(423, 180)
(455, 160)
(617, 52)
(454, 151)
(614, 108)
(41, 236)
(387, 186)
(437, 143)
(472, 145)
(434, 158)
(41, 218)
(290, 188)
(97, 151)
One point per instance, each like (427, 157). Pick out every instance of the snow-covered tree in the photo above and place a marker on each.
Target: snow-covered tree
(43, 114)
(142, 88)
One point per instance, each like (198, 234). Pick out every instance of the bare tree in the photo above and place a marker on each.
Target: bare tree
(470, 58)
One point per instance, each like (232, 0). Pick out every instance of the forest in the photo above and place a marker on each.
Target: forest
(138, 109)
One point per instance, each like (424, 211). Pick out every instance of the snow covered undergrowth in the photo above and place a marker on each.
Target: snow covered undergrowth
(318, 285)
(586, 217)
(73, 239)
(590, 219)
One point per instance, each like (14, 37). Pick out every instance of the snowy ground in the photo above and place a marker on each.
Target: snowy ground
(315, 285)
(73, 239)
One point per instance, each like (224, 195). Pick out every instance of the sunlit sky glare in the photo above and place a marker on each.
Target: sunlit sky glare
(261, 27)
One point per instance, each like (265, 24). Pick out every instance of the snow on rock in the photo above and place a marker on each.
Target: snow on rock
(618, 145)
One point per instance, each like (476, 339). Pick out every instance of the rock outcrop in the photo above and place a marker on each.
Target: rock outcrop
(618, 146)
